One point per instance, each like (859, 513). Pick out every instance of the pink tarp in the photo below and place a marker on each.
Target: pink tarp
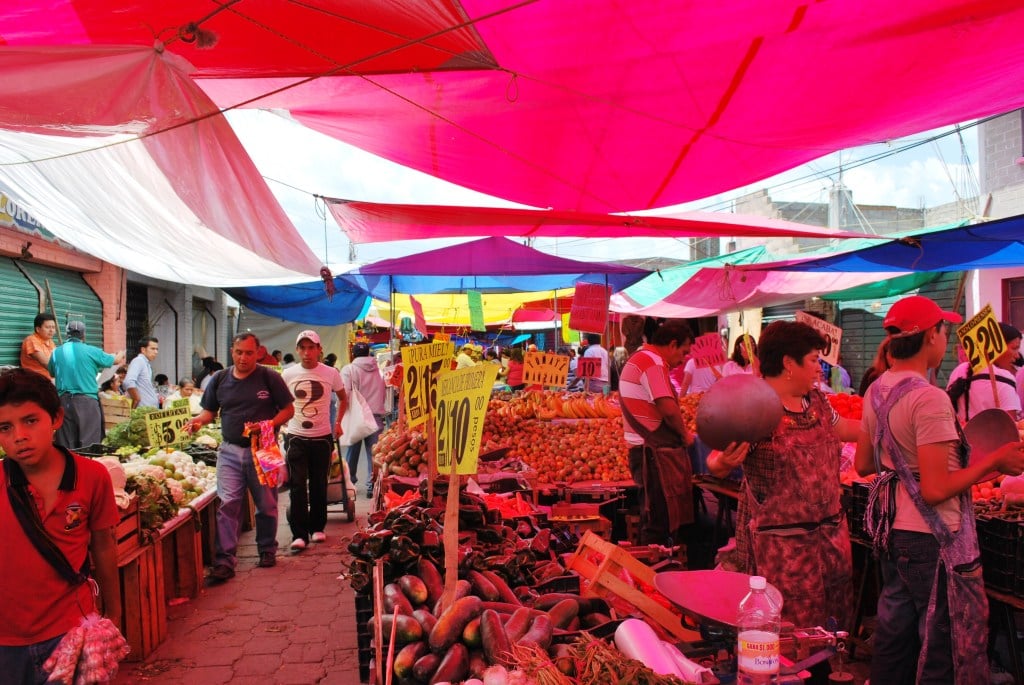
(597, 107)
(366, 222)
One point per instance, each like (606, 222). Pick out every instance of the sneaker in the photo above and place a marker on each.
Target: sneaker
(219, 574)
(318, 537)
(267, 559)
(298, 544)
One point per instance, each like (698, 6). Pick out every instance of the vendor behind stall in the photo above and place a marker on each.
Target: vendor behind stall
(790, 526)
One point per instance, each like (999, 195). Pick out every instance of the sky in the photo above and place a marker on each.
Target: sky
(908, 172)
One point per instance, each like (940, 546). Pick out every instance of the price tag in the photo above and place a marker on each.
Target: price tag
(422, 365)
(588, 367)
(459, 420)
(181, 402)
(589, 311)
(164, 427)
(708, 350)
(832, 334)
(546, 369)
(982, 339)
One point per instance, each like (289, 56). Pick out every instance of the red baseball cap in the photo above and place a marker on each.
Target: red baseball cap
(915, 314)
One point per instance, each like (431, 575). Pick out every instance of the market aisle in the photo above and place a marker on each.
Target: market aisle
(293, 624)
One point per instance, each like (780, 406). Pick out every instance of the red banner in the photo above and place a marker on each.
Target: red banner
(589, 311)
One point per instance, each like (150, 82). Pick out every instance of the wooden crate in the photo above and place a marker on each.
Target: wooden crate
(115, 410)
(128, 531)
(143, 604)
(182, 543)
(580, 518)
(604, 580)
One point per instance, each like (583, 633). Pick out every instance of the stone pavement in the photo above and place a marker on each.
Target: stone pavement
(293, 624)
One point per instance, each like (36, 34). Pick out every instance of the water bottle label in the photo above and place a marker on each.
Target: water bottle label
(757, 652)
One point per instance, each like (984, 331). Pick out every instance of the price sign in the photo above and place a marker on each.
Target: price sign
(180, 402)
(588, 367)
(164, 427)
(422, 365)
(708, 350)
(982, 339)
(832, 334)
(589, 311)
(442, 337)
(545, 368)
(459, 420)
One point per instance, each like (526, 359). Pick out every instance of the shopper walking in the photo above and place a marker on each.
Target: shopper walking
(363, 375)
(74, 366)
(310, 440)
(246, 392)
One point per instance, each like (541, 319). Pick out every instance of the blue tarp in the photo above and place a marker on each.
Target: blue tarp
(305, 302)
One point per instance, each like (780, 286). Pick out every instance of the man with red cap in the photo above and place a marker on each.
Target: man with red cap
(920, 515)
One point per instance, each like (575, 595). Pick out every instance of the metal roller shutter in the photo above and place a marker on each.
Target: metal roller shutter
(72, 299)
(19, 304)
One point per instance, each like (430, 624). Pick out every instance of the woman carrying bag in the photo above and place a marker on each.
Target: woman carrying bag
(364, 388)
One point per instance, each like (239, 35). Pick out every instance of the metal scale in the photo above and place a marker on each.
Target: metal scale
(711, 598)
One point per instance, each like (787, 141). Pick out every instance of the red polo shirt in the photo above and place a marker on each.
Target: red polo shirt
(37, 603)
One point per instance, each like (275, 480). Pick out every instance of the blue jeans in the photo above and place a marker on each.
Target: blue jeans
(908, 573)
(235, 474)
(24, 665)
(352, 455)
(309, 460)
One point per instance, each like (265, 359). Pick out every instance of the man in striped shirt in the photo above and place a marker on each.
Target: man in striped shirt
(651, 420)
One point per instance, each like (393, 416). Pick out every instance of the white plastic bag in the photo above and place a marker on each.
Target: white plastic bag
(358, 421)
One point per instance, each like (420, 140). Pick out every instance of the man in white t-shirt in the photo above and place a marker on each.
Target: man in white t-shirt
(594, 350)
(310, 439)
(976, 395)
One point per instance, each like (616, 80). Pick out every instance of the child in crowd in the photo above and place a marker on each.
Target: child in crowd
(55, 502)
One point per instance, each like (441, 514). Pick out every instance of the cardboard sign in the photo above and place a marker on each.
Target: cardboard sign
(708, 350)
(476, 310)
(589, 311)
(422, 364)
(588, 367)
(462, 397)
(417, 313)
(546, 369)
(832, 334)
(982, 339)
(164, 427)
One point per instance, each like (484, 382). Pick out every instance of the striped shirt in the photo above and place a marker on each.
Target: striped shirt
(643, 380)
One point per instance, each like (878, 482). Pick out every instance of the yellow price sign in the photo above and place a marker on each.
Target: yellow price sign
(545, 368)
(982, 339)
(164, 427)
(422, 365)
(462, 397)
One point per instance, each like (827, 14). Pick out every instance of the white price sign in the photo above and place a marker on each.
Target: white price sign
(832, 334)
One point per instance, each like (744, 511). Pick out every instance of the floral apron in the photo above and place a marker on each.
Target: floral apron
(958, 552)
(797, 533)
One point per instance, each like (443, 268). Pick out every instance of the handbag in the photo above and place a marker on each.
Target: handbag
(358, 421)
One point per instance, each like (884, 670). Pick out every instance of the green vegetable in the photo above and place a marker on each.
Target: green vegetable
(131, 432)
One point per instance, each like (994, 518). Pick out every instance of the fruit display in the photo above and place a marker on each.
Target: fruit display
(548, 405)
(688, 406)
(847, 406)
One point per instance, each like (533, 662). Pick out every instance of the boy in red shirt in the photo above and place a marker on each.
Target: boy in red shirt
(74, 502)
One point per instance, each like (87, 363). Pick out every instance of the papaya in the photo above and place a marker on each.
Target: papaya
(463, 588)
(394, 598)
(408, 628)
(494, 638)
(540, 632)
(471, 633)
(477, 664)
(505, 593)
(424, 668)
(432, 580)
(454, 665)
(518, 623)
(407, 657)
(564, 612)
(426, 619)
(414, 588)
(452, 622)
(483, 588)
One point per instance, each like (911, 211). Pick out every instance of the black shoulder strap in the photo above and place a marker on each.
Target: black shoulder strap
(28, 517)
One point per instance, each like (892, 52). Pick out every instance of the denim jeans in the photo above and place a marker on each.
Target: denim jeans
(352, 455)
(235, 474)
(309, 460)
(24, 665)
(908, 574)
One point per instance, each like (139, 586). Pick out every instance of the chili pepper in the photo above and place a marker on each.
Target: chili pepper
(377, 543)
(541, 543)
(360, 582)
(430, 541)
(355, 545)
(403, 550)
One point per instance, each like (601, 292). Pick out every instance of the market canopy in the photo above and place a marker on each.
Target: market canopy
(598, 107)
(370, 222)
(305, 302)
(489, 265)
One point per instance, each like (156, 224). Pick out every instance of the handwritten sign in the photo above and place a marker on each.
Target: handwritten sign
(589, 311)
(588, 367)
(545, 368)
(708, 350)
(459, 420)
(164, 427)
(982, 339)
(422, 365)
(832, 334)
(476, 310)
(181, 402)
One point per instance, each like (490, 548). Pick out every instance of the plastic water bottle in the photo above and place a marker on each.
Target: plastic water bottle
(757, 627)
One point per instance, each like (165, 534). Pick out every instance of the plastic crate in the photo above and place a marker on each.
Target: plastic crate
(364, 612)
